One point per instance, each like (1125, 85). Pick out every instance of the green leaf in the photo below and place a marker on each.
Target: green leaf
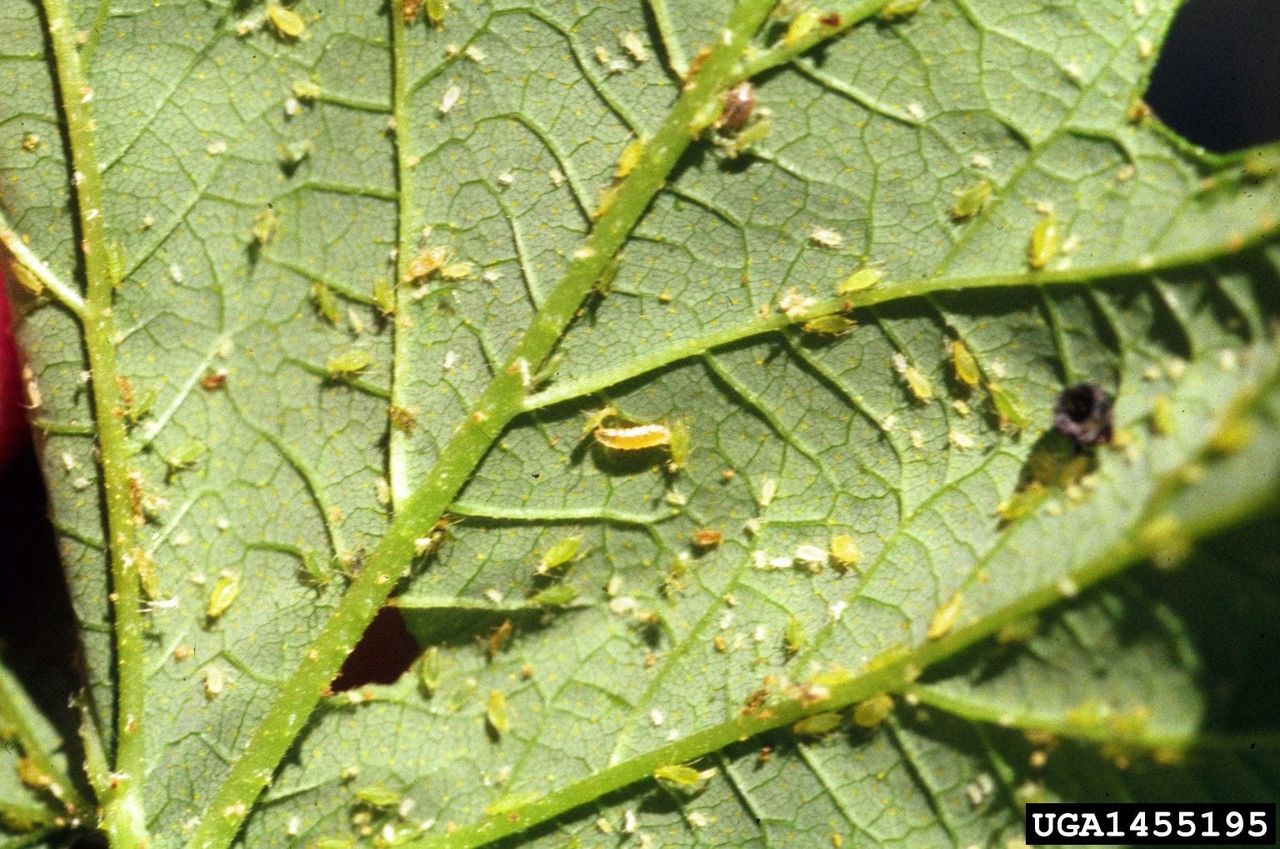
(381, 270)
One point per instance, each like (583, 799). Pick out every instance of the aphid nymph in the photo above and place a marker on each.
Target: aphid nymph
(1083, 414)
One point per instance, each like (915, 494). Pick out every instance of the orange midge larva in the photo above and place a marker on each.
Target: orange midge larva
(634, 438)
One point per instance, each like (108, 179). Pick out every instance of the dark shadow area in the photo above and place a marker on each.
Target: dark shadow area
(1217, 80)
(383, 654)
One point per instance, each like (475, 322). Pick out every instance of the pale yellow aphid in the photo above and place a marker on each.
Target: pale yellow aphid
(863, 278)
(817, 725)
(969, 202)
(629, 158)
(844, 551)
(682, 776)
(801, 26)
(945, 617)
(1045, 241)
(873, 711)
(224, 592)
(966, 367)
(829, 325)
(348, 363)
(559, 554)
(287, 23)
(496, 713)
(633, 438)
(436, 10)
(430, 670)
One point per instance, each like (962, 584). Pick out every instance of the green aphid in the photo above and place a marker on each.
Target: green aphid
(844, 551)
(305, 89)
(747, 138)
(863, 278)
(286, 23)
(897, 9)
(147, 578)
(681, 777)
(430, 670)
(384, 297)
(436, 10)
(1046, 240)
(115, 263)
(969, 202)
(918, 383)
(511, 804)
(291, 154)
(829, 325)
(1009, 409)
(348, 363)
(557, 595)
(560, 553)
(224, 592)
(794, 639)
(326, 303)
(678, 449)
(817, 725)
(184, 458)
(873, 711)
(1162, 416)
(966, 367)
(629, 158)
(379, 796)
(497, 714)
(266, 226)
(801, 26)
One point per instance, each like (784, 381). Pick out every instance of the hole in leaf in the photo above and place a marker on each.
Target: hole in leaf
(383, 654)
(1217, 79)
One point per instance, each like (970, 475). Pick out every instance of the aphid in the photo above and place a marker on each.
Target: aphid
(305, 89)
(286, 23)
(213, 379)
(348, 363)
(897, 9)
(629, 158)
(216, 148)
(184, 458)
(1045, 241)
(409, 10)
(844, 551)
(30, 142)
(824, 237)
(863, 278)
(768, 490)
(801, 26)
(634, 437)
(873, 711)
(266, 226)
(917, 381)
(556, 595)
(475, 54)
(457, 271)
(679, 447)
(214, 681)
(945, 617)
(224, 592)
(682, 777)
(379, 796)
(743, 141)
(829, 325)
(115, 263)
(183, 652)
(449, 99)
(291, 154)
(496, 713)
(1232, 435)
(1010, 411)
(969, 202)
(326, 303)
(560, 553)
(794, 639)
(436, 10)
(147, 578)
(966, 367)
(817, 725)
(498, 638)
(739, 104)
(1083, 414)
(427, 262)
(635, 47)
(707, 538)
(430, 670)
(1138, 112)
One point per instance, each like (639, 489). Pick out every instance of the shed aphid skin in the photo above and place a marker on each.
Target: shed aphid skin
(739, 105)
(873, 711)
(919, 384)
(224, 593)
(1046, 240)
(428, 261)
(409, 10)
(704, 538)
(560, 553)
(498, 639)
(1083, 414)
(635, 47)
(496, 713)
(681, 443)
(305, 90)
(969, 201)
(449, 99)
(824, 237)
(633, 438)
(285, 23)
(348, 363)
(266, 226)
(215, 680)
(863, 278)
(945, 617)
(818, 724)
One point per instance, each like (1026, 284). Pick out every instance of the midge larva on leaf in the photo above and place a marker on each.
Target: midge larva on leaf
(634, 437)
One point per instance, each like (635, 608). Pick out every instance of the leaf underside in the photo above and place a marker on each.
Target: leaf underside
(1107, 684)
